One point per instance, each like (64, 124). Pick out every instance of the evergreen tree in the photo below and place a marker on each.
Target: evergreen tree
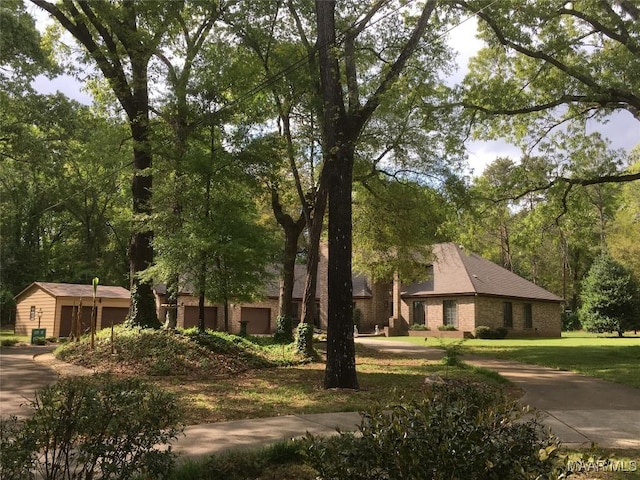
(610, 298)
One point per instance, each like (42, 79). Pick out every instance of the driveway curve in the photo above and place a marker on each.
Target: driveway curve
(580, 410)
(20, 377)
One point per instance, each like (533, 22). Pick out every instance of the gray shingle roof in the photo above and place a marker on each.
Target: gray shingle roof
(456, 272)
(76, 290)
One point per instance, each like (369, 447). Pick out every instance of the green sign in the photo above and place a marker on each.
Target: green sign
(38, 335)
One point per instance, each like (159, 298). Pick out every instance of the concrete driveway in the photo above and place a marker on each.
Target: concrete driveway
(580, 410)
(20, 377)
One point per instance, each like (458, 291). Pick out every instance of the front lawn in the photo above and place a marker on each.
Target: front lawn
(607, 357)
(219, 377)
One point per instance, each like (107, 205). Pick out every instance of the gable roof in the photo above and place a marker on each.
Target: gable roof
(456, 272)
(78, 290)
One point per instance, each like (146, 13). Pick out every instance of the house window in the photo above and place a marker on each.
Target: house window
(528, 316)
(32, 313)
(295, 312)
(450, 313)
(507, 313)
(419, 310)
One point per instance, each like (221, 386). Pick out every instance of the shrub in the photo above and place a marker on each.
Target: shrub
(304, 339)
(93, 428)
(243, 328)
(502, 332)
(284, 329)
(463, 430)
(357, 317)
(243, 464)
(570, 321)
(9, 342)
(447, 328)
(453, 352)
(482, 331)
(418, 327)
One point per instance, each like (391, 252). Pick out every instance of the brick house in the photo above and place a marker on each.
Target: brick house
(466, 291)
(462, 289)
(261, 314)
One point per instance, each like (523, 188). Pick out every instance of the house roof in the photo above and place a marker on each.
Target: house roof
(361, 285)
(77, 290)
(457, 272)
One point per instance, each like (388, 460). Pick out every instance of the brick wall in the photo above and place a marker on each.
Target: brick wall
(434, 314)
(546, 321)
(235, 311)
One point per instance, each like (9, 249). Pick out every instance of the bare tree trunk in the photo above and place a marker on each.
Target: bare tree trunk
(313, 256)
(292, 231)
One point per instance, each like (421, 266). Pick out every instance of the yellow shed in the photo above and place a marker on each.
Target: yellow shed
(54, 305)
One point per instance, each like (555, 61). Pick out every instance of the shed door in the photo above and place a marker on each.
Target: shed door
(66, 318)
(116, 315)
(258, 320)
(191, 317)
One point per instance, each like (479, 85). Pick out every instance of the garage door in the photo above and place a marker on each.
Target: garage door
(258, 320)
(116, 315)
(192, 317)
(66, 318)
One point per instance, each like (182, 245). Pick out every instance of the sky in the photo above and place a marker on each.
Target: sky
(622, 130)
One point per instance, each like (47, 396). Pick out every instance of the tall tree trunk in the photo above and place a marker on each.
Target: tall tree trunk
(341, 356)
(109, 37)
(143, 309)
(338, 152)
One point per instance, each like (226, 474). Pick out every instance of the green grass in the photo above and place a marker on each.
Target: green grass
(299, 389)
(8, 338)
(607, 357)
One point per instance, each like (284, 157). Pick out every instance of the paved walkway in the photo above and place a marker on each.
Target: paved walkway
(20, 377)
(581, 410)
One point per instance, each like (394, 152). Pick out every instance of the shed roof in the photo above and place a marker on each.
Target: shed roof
(78, 290)
(456, 272)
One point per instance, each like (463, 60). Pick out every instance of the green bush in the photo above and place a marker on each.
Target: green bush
(452, 353)
(418, 327)
(502, 332)
(284, 329)
(447, 328)
(482, 331)
(243, 464)
(357, 318)
(9, 342)
(570, 321)
(463, 431)
(304, 339)
(92, 428)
